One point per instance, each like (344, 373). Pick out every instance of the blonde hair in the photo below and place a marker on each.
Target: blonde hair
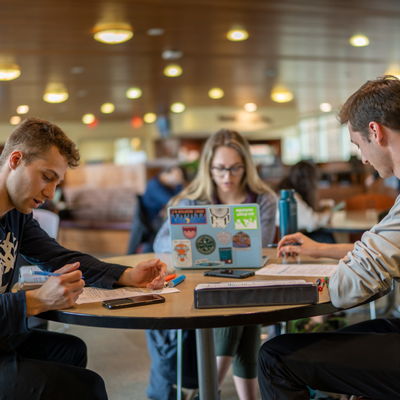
(202, 186)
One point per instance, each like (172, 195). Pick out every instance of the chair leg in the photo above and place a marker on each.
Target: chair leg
(179, 365)
(372, 310)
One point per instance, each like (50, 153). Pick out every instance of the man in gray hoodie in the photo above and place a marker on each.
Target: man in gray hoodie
(362, 359)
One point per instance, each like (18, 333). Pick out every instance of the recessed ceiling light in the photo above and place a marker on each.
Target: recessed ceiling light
(22, 109)
(113, 33)
(133, 93)
(8, 72)
(171, 54)
(325, 107)
(88, 119)
(15, 120)
(178, 107)
(359, 41)
(149, 118)
(237, 35)
(172, 70)
(155, 31)
(250, 107)
(77, 70)
(216, 93)
(107, 108)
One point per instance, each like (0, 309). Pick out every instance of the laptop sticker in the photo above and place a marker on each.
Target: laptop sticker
(224, 237)
(182, 253)
(219, 217)
(205, 244)
(187, 216)
(241, 241)
(225, 254)
(245, 217)
(189, 231)
(206, 263)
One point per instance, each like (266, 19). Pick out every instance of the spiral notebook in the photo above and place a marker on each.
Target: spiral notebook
(216, 236)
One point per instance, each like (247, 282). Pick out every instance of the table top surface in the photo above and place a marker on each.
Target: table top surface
(178, 311)
(353, 221)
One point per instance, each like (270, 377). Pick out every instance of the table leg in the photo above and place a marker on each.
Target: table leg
(206, 364)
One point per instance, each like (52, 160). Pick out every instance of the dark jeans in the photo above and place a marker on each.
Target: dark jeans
(361, 359)
(162, 345)
(47, 365)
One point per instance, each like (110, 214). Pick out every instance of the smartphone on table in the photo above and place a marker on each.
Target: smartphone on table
(134, 301)
(229, 273)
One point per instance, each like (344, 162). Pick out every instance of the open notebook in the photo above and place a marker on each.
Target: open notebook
(216, 236)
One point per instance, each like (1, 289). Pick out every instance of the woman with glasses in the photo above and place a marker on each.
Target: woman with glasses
(226, 175)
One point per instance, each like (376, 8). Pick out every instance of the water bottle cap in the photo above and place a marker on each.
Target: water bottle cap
(285, 193)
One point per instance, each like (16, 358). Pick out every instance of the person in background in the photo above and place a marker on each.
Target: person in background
(303, 178)
(226, 175)
(160, 190)
(38, 364)
(150, 209)
(361, 359)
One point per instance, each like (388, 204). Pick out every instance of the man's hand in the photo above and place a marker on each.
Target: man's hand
(150, 274)
(307, 246)
(311, 248)
(57, 292)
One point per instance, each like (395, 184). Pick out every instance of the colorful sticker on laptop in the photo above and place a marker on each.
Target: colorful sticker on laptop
(245, 217)
(224, 237)
(188, 216)
(225, 254)
(189, 232)
(206, 263)
(182, 253)
(219, 217)
(241, 241)
(205, 244)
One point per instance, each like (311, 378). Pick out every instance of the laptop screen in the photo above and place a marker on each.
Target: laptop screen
(215, 236)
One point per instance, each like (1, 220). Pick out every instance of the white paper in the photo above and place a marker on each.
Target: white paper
(225, 285)
(298, 270)
(93, 294)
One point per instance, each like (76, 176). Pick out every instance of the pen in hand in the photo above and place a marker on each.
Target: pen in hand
(47, 273)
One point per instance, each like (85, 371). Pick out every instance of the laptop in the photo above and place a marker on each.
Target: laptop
(216, 236)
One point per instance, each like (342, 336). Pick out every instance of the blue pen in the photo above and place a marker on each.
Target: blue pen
(46, 273)
(176, 281)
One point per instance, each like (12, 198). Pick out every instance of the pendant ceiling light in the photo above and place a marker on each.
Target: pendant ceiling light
(8, 72)
(55, 95)
(113, 33)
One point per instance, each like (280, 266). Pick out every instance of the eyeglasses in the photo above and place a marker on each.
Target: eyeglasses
(236, 170)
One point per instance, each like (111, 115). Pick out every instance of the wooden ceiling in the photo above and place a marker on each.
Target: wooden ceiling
(303, 44)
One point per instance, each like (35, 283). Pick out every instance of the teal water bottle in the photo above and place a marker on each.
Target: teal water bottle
(287, 213)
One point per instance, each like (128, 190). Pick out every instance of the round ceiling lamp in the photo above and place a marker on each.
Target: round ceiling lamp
(55, 95)
(8, 72)
(149, 118)
(325, 107)
(15, 120)
(237, 35)
(107, 108)
(250, 107)
(113, 33)
(216, 93)
(359, 41)
(394, 70)
(133, 93)
(178, 108)
(88, 119)
(22, 109)
(280, 94)
(172, 70)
